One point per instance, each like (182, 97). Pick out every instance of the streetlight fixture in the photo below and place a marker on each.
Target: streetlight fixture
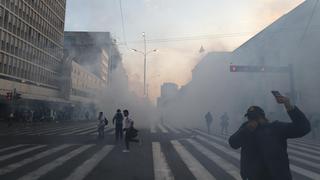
(144, 53)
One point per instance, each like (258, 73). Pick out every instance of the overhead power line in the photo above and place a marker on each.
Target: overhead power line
(122, 23)
(190, 38)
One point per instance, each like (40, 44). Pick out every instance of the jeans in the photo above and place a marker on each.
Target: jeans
(129, 139)
(101, 132)
(119, 132)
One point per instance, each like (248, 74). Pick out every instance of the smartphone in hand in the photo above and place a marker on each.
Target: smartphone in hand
(276, 93)
(278, 96)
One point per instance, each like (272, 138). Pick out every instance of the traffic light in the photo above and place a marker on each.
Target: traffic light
(9, 96)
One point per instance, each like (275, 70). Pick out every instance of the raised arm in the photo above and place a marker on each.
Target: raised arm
(299, 126)
(237, 139)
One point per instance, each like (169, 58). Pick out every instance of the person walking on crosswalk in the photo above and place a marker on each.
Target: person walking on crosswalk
(209, 120)
(101, 125)
(118, 121)
(131, 132)
(224, 124)
(264, 144)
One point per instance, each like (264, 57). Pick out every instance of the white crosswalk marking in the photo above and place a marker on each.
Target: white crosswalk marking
(54, 164)
(153, 129)
(88, 131)
(11, 147)
(60, 132)
(172, 129)
(55, 130)
(83, 170)
(183, 130)
(40, 131)
(163, 130)
(303, 161)
(113, 131)
(16, 165)
(225, 165)
(161, 168)
(304, 145)
(5, 157)
(192, 163)
(304, 149)
(77, 131)
(304, 154)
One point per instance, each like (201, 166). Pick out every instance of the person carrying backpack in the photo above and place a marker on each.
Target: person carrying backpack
(101, 124)
(131, 132)
(118, 121)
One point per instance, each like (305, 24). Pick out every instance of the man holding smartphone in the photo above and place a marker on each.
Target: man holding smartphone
(264, 144)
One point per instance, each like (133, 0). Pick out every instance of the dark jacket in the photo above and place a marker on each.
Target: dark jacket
(118, 117)
(264, 151)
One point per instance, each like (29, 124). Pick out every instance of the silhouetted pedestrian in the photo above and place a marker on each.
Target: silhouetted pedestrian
(131, 132)
(224, 123)
(101, 125)
(264, 144)
(10, 119)
(209, 120)
(118, 121)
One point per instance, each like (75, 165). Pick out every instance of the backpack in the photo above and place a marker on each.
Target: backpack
(133, 132)
(106, 121)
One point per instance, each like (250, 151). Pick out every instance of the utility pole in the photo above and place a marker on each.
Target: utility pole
(145, 63)
(144, 53)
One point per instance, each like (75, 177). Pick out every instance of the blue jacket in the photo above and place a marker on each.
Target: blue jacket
(264, 151)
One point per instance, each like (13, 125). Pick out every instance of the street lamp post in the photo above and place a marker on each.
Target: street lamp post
(144, 53)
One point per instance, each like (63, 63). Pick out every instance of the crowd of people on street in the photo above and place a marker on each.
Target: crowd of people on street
(124, 126)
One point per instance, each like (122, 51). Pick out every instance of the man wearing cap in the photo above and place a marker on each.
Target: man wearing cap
(264, 144)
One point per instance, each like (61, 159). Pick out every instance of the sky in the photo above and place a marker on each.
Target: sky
(176, 28)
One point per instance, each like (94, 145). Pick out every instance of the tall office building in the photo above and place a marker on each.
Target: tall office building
(31, 47)
(32, 40)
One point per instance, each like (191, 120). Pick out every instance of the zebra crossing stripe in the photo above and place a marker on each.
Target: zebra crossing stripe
(54, 164)
(172, 129)
(309, 142)
(299, 170)
(192, 163)
(183, 130)
(304, 154)
(83, 170)
(153, 129)
(11, 147)
(94, 129)
(5, 157)
(161, 167)
(221, 148)
(78, 130)
(16, 165)
(58, 131)
(303, 149)
(39, 131)
(49, 131)
(225, 165)
(303, 161)
(113, 131)
(163, 130)
(304, 145)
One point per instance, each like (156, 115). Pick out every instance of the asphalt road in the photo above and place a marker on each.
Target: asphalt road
(72, 151)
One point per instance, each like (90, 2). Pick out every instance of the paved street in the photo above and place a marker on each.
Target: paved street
(72, 151)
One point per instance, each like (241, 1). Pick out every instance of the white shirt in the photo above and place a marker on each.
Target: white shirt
(127, 122)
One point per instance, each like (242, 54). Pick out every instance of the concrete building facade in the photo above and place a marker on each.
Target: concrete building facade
(31, 48)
